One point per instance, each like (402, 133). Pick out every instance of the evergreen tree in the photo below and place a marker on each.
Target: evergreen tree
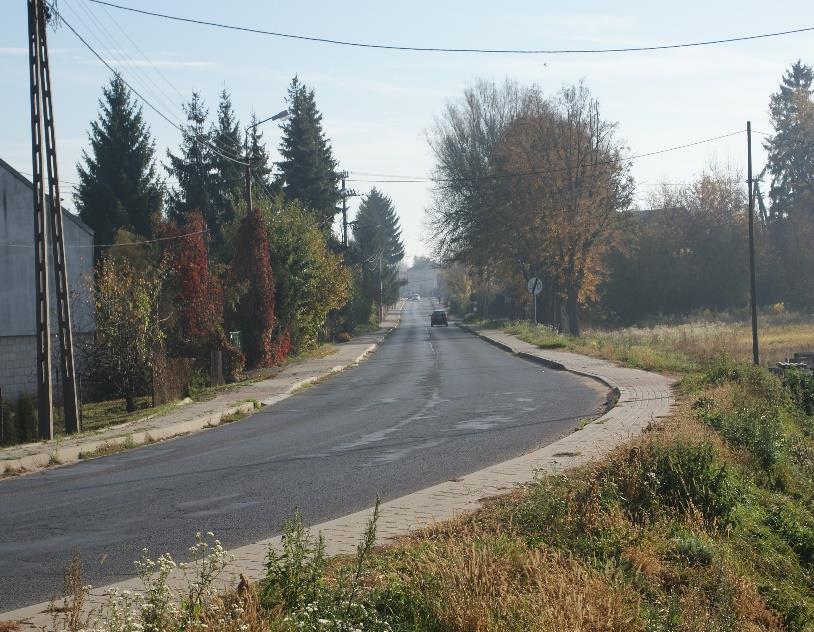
(377, 237)
(791, 149)
(377, 228)
(193, 168)
(308, 164)
(258, 155)
(118, 183)
(228, 174)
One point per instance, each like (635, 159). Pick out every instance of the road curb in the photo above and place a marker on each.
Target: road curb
(615, 393)
(57, 456)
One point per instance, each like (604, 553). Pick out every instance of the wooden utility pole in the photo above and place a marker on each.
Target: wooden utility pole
(47, 201)
(753, 296)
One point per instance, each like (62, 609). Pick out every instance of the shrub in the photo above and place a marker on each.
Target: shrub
(295, 583)
(682, 476)
(251, 269)
(693, 550)
(801, 389)
(8, 431)
(796, 529)
(198, 382)
(26, 417)
(753, 416)
(757, 431)
(294, 576)
(233, 361)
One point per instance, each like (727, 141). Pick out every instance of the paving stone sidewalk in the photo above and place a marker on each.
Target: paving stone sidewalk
(642, 398)
(197, 416)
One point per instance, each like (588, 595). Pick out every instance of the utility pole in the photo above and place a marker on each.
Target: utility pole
(247, 171)
(345, 193)
(753, 297)
(42, 127)
(381, 292)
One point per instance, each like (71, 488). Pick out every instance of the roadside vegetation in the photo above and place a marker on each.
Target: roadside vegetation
(676, 348)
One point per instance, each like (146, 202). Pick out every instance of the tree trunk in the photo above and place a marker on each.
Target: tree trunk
(557, 312)
(572, 311)
(129, 402)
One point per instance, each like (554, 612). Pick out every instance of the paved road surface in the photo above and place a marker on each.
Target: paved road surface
(429, 405)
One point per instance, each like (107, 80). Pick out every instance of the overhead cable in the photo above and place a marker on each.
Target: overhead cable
(497, 176)
(144, 99)
(439, 49)
(132, 243)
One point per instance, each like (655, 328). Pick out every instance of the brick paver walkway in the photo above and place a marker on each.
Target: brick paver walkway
(642, 398)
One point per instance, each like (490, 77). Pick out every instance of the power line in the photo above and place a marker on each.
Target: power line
(119, 55)
(143, 98)
(799, 141)
(132, 243)
(437, 49)
(497, 176)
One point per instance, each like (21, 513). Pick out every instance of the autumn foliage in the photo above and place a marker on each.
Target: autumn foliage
(251, 269)
(199, 300)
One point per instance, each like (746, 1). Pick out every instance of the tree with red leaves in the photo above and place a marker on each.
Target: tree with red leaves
(251, 269)
(199, 298)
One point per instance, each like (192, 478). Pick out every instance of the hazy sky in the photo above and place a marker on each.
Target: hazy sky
(378, 105)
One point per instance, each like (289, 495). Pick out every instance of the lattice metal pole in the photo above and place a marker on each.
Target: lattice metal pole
(64, 321)
(44, 408)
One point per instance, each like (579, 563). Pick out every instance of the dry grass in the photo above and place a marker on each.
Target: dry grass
(678, 348)
(483, 582)
(111, 446)
(9, 626)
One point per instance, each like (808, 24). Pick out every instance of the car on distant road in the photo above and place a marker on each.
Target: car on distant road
(415, 297)
(439, 317)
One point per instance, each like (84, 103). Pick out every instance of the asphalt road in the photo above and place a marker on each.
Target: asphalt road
(431, 404)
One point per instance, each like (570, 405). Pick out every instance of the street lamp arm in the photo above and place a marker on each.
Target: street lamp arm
(247, 167)
(277, 117)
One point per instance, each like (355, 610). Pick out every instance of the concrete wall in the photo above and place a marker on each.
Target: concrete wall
(18, 363)
(17, 296)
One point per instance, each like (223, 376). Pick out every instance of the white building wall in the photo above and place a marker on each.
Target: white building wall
(17, 295)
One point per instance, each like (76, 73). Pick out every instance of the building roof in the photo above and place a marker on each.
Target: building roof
(66, 214)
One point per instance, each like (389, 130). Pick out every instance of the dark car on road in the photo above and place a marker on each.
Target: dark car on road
(439, 317)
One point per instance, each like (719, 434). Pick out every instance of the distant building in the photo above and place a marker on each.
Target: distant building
(18, 348)
(422, 278)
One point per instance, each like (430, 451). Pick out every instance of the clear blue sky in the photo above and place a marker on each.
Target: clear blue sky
(378, 105)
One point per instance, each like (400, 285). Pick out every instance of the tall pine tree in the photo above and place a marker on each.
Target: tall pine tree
(258, 155)
(193, 168)
(228, 174)
(377, 228)
(377, 237)
(308, 164)
(791, 149)
(118, 183)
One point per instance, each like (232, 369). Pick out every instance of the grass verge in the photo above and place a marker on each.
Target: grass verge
(671, 348)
